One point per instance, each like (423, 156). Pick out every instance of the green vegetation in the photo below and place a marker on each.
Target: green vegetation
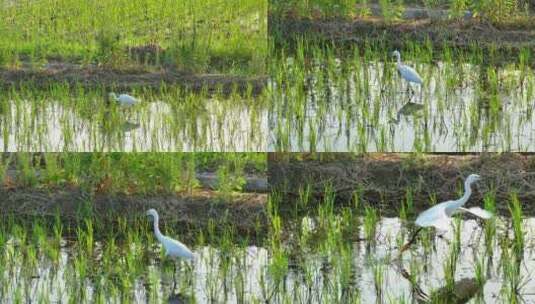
(169, 119)
(496, 11)
(198, 36)
(140, 173)
(334, 254)
(330, 98)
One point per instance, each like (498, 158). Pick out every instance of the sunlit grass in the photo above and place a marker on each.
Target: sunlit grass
(206, 36)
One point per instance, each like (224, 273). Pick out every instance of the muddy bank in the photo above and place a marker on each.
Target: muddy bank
(458, 34)
(383, 179)
(94, 77)
(192, 210)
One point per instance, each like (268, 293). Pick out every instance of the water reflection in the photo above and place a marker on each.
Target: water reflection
(349, 106)
(352, 269)
(52, 126)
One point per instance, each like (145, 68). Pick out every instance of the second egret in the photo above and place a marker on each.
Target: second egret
(439, 216)
(406, 72)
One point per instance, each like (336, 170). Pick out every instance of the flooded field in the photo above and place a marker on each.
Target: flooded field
(326, 102)
(59, 120)
(334, 257)
(75, 228)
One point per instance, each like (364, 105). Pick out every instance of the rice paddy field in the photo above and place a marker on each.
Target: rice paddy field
(196, 71)
(166, 120)
(329, 99)
(267, 151)
(314, 246)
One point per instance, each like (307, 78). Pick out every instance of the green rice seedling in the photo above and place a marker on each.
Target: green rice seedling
(406, 205)
(370, 223)
(490, 225)
(514, 281)
(516, 215)
(378, 279)
(480, 274)
(85, 236)
(326, 208)
(304, 197)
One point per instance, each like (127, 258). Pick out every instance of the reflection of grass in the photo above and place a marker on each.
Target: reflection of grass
(173, 119)
(203, 36)
(328, 98)
(324, 264)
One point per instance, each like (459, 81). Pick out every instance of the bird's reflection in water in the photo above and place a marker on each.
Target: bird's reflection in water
(461, 292)
(179, 299)
(408, 109)
(129, 126)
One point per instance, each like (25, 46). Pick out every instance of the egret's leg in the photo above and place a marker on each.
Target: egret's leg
(174, 277)
(411, 90)
(411, 241)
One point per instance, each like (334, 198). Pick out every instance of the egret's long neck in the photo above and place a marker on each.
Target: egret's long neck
(466, 195)
(157, 229)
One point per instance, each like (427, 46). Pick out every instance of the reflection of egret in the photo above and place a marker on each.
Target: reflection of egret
(410, 108)
(406, 72)
(439, 216)
(173, 248)
(461, 292)
(128, 126)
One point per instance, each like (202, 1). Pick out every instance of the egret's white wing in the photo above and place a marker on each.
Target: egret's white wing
(433, 215)
(127, 100)
(484, 214)
(409, 74)
(175, 248)
(443, 223)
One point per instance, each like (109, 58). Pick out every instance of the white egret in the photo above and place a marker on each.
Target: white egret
(406, 72)
(124, 100)
(173, 248)
(439, 216)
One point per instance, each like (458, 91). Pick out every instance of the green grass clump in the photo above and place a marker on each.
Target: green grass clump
(496, 11)
(206, 36)
(139, 173)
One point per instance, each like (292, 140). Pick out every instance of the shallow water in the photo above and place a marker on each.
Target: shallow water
(211, 125)
(314, 274)
(348, 105)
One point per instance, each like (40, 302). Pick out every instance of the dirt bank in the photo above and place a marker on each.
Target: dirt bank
(94, 77)
(385, 178)
(458, 34)
(192, 210)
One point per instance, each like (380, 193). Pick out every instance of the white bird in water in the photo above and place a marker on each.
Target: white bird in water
(406, 72)
(124, 100)
(439, 216)
(173, 248)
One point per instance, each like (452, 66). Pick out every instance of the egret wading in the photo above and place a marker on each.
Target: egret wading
(439, 216)
(173, 248)
(124, 100)
(406, 72)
